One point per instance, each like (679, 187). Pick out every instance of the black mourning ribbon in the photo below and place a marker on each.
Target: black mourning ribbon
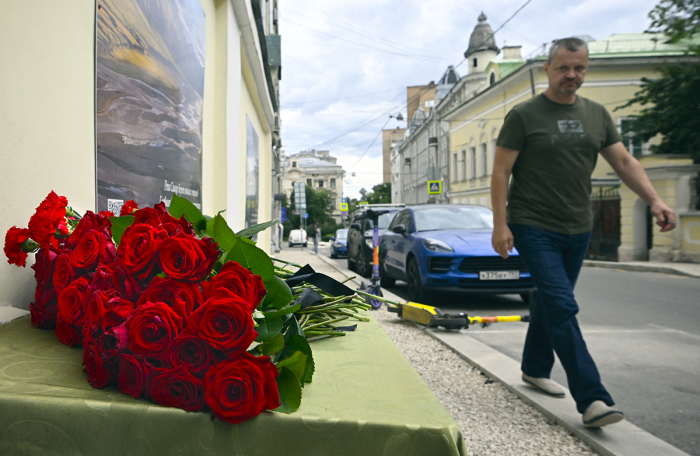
(310, 297)
(322, 281)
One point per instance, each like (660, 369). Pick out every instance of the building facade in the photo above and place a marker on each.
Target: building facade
(49, 134)
(317, 169)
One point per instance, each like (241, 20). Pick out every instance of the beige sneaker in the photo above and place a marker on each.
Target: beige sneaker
(545, 385)
(599, 414)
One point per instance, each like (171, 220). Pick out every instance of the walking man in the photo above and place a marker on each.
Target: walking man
(550, 145)
(317, 236)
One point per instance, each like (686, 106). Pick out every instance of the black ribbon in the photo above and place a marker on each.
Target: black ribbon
(307, 298)
(322, 281)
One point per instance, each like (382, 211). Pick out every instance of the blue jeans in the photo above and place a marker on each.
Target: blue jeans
(554, 260)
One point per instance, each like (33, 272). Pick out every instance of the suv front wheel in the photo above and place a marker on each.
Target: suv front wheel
(415, 285)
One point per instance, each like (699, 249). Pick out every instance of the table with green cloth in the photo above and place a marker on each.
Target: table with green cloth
(365, 399)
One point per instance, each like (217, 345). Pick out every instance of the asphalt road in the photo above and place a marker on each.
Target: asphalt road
(643, 330)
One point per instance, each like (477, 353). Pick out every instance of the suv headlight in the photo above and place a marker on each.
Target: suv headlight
(437, 246)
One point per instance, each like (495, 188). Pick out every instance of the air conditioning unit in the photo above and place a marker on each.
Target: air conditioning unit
(407, 161)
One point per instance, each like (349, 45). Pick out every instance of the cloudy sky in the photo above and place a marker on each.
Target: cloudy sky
(346, 64)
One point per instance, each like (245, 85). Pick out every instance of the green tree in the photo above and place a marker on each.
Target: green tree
(670, 103)
(381, 194)
(319, 206)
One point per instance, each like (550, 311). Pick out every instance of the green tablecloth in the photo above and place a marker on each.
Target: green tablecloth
(365, 399)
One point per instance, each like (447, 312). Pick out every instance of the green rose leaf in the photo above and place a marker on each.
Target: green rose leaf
(278, 294)
(253, 230)
(298, 343)
(272, 346)
(268, 328)
(218, 229)
(290, 391)
(295, 363)
(182, 206)
(251, 257)
(292, 328)
(283, 311)
(119, 225)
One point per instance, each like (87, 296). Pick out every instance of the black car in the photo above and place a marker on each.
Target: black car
(361, 234)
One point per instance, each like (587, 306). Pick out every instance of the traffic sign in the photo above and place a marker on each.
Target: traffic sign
(434, 187)
(343, 206)
(306, 215)
(362, 203)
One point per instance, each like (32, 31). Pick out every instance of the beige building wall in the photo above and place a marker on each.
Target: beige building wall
(47, 118)
(416, 96)
(389, 138)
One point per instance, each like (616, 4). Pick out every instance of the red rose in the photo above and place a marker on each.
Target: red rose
(72, 306)
(44, 263)
(178, 388)
(44, 309)
(151, 328)
(224, 323)
(48, 219)
(235, 280)
(93, 248)
(67, 333)
(63, 272)
(187, 258)
(138, 248)
(106, 310)
(90, 221)
(182, 297)
(133, 375)
(99, 373)
(116, 277)
(191, 353)
(112, 343)
(158, 216)
(240, 388)
(128, 208)
(13, 245)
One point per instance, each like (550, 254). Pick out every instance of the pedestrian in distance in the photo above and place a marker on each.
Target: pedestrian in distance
(549, 145)
(317, 236)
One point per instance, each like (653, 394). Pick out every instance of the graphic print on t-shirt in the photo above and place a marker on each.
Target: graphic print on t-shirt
(570, 133)
(570, 126)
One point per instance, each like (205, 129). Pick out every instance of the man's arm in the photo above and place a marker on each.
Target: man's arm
(502, 238)
(633, 175)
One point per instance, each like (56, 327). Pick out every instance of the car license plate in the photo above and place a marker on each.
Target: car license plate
(499, 275)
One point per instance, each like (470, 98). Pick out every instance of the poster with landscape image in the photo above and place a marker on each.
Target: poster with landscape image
(149, 96)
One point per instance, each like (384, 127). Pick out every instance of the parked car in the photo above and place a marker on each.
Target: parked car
(297, 237)
(447, 247)
(361, 235)
(339, 243)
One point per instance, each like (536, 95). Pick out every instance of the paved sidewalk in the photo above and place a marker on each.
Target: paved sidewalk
(684, 269)
(621, 439)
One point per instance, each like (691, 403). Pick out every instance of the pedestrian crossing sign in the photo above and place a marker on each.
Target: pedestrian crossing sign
(343, 206)
(434, 187)
(362, 203)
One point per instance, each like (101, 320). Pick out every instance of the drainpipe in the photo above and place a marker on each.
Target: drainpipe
(532, 78)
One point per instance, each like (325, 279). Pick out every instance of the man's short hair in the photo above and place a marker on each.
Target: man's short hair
(573, 44)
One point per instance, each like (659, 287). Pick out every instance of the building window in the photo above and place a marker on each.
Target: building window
(308, 182)
(492, 79)
(475, 62)
(320, 184)
(463, 166)
(454, 167)
(332, 182)
(472, 162)
(633, 144)
(484, 159)
(294, 164)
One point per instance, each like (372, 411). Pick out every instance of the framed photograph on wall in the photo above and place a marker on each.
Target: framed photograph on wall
(149, 90)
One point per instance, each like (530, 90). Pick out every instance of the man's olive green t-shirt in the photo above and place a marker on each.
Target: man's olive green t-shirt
(558, 147)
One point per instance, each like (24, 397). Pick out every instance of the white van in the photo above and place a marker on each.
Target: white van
(297, 237)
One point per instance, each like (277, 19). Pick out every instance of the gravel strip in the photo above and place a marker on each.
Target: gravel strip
(493, 420)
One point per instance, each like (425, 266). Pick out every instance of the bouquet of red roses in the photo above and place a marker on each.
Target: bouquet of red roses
(174, 306)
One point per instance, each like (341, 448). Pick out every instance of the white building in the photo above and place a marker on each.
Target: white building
(317, 169)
